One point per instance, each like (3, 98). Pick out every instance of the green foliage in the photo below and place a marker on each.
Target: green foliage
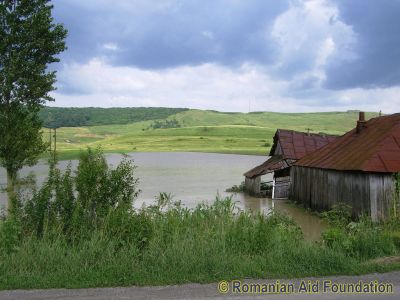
(395, 235)
(75, 206)
(173, 123)
(335, 237)
(128, 227)
(363, 239)
(55, 117)
(266, 186)
(10, 235)
(29, 43)
(169, 244)
(369, 240)
(339, 215)
(100, 188)
(396, 196)
(237, 188)
(90, 242)
(164, 200)
(263, 234)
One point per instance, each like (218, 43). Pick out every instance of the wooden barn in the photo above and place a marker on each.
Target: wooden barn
(357, 168)
(288, 146)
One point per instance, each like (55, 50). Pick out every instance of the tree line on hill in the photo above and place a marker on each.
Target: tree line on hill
(54, 117)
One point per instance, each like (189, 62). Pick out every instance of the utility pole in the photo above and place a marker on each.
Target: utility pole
(55, 143)
(50, 137)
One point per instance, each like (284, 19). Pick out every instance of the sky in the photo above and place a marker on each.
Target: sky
(231, 55)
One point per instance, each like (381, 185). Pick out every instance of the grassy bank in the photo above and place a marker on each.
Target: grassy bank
(79, 230)
(200, 131)
(207, 244)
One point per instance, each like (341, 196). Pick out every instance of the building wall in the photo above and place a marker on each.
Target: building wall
(278, 149)
(281, 188)
(253, 185)
(320, 189)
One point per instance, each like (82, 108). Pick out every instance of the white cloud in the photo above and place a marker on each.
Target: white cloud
(309, 37)
(208, 34)
(208, 86)
(386, 100)
(111, 46)
(308, 34)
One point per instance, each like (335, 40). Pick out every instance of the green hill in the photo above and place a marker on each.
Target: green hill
(54, 117)
(203, 131)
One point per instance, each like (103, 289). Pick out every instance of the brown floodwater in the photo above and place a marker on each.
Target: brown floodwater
(193, 178)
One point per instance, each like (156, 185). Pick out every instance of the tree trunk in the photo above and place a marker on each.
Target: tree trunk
(10, 191)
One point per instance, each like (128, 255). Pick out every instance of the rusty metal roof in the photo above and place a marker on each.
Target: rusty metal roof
(376, 148)
(295, 144)
(272, 164)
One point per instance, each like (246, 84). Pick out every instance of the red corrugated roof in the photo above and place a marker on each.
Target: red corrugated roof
(272, 164)
(375, 149)
(295, 144)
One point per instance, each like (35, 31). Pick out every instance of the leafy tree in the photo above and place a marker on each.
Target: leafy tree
(29, 43)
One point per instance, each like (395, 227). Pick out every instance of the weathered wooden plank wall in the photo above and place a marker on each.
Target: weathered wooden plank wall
(320, 189)
(282, 187)
(253, 185)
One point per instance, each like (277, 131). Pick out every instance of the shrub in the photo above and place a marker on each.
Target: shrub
(10, 235)
(76, 205)
(128, 227)
(336, 238)
(369, 240)
(339, 215)
(267, 144)
(363, 239)
(237, 188)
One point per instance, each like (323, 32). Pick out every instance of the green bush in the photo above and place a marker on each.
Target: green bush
(169, 244)
(396, 238)
(339, 215)
(128, 227)
(74, 205)
(336, 238)
(10, 235)
(363, 239)
(80, 230)
(369, 240)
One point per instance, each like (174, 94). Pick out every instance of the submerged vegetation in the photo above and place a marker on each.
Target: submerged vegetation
(80, 230)
(237, 188)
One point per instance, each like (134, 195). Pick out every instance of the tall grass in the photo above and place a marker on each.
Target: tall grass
(200, 245)
(204, 244)
(114, 245)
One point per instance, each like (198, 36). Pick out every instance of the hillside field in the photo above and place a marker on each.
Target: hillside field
(201, 131)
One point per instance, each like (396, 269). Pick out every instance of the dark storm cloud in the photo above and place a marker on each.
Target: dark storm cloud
(307, 53)
(377, 28)
(175, 33)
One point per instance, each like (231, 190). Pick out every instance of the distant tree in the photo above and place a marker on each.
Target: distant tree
(90, 116)
(29, 42)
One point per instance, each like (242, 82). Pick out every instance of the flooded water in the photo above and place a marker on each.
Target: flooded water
(194, 178)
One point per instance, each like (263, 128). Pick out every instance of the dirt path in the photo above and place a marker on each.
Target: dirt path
(210, 291)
